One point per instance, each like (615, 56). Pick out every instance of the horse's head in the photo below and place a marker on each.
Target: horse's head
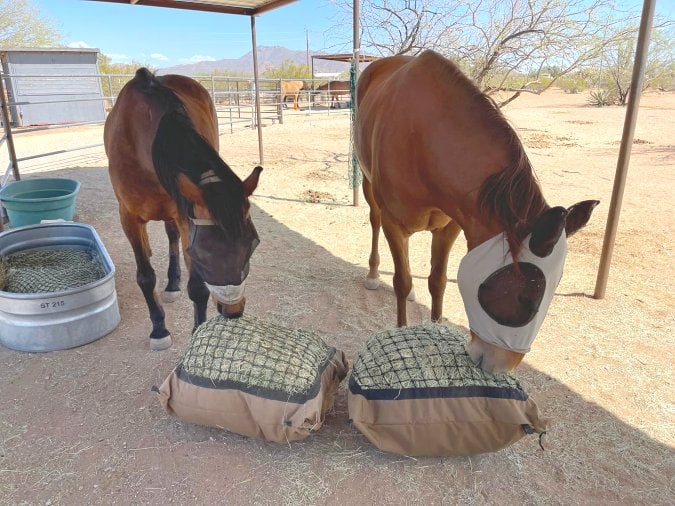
(222, 235)
(506, 301)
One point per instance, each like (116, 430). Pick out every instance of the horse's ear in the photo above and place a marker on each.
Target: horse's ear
(547, 231)
(578, 215)
(190, 191)
(251, 182)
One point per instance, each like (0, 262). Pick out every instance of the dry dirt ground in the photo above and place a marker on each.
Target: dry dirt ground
(82, 426)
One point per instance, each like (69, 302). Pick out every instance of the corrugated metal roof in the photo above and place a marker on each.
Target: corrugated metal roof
(48, 50)
(245, 7)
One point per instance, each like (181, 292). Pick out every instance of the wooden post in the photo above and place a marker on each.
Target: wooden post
(626, 145)
(257, 91)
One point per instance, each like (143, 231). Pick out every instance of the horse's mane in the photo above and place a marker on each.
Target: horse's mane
(179, 149)
(512, 196)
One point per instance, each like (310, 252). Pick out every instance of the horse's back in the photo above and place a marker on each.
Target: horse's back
(423, 126)
(129, 134)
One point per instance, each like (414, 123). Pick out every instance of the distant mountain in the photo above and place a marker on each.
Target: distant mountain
(268, 57)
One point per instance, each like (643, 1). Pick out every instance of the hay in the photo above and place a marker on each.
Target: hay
(249, 352)
(50, 270)
(424, 356)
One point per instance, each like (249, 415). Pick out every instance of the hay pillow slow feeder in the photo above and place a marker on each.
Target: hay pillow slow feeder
(415, 391)
(255, 378)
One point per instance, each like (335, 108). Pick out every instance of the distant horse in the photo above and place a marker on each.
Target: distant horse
(291, 89)
(161, 138)
(335, 90)
(452, 162)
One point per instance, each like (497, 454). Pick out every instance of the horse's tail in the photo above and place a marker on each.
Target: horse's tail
(178, 148)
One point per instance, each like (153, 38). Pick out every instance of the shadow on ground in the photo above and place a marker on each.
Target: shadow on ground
(81, 426)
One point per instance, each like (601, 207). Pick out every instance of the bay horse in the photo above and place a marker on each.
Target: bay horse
(453, 163)
(335, 90)
(161, 138)
(291, 89)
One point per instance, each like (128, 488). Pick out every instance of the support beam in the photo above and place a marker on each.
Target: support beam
(8, 129)
(626, 145)
(357, 50)
(257, 91)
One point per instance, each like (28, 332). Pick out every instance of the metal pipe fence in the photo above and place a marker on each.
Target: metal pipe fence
(233, 98)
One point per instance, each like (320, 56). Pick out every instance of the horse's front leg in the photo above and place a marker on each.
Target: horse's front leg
(398, 244)
(136, 232)
(197, 290)
(441, 244)
(199, 295)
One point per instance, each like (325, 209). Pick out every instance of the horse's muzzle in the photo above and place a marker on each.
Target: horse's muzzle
(232, 310)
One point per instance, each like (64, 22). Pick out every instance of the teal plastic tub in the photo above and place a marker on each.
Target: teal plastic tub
(30, 201)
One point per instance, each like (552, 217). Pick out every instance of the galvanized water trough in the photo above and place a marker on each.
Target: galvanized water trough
(58, 320)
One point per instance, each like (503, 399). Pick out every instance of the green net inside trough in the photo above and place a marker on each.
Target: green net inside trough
(254, 354)
(423, 356)
(49, 270)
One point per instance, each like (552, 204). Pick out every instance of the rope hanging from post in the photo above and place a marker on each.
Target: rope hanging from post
(355, 175)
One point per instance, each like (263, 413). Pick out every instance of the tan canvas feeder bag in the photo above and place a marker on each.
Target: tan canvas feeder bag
(415, 391)
(255, 378)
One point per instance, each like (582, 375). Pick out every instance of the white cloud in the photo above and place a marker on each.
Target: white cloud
(118, 58)
(201, 57)
(159, 56)
(79, 44)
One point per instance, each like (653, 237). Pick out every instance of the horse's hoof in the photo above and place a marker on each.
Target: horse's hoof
(411, 295)
(170, 297)
(161, 344)
(372, 283)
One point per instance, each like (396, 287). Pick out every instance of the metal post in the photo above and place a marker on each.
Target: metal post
(8, 129)
(236, 99)
(229, 104)
(626, 145)
(357, 50)
(280, 105)
(257, 90)
(213, 90)
(112, 95)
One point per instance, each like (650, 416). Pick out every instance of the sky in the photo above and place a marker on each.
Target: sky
(165, 37)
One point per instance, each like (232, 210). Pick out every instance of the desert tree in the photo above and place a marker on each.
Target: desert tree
(616, 65)
(23, 25)
(515, 46)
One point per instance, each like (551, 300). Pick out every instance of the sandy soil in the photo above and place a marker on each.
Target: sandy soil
(83, 427)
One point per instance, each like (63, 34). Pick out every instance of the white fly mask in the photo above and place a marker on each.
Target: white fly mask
(506, 304)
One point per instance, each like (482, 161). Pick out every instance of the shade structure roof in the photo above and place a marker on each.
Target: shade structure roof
(244, 7)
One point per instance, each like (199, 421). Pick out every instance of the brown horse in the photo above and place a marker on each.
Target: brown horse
(161, 138)
(291, 89)
(452, 162)
(335, 90)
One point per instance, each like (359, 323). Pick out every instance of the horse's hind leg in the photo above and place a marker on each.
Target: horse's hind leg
(172, 290)
(135, 230)
(373, 278)
(441, 244)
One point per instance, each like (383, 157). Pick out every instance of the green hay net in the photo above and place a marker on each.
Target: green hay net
(249, 352)
(49, 270)
(424, 356)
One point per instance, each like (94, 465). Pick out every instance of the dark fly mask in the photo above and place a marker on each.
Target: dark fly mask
(221, 261)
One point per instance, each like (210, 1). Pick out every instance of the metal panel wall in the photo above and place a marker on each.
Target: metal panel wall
(68, 75)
